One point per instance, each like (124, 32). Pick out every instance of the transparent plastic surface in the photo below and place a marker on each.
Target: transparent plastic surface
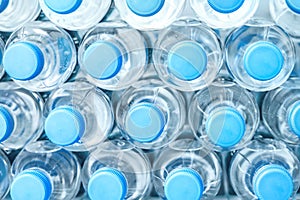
(124, 157)
(59, 54)
(1, 55)
(243, 39)
(188, 32)
(168, 13)
(223, 94)
(188, 153)
(59, 165)
(260, 153)
(5, 175)
(25, 108)
(92, 104)
(88, 14)
(132, 49)
(17, 13)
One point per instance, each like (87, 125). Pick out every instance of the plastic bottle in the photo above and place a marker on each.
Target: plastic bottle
(281, 111)
(15, 13)
(78, 116)
(150, 114)
(1, 54)
(116, 170)
(45, 171)
(20, 116)
(186, 170)
(5, 176)
(224, 115)
(113, 55)
(75, 14)
(150, 15)
(224, 14)
(260, 55)
(39, 56)
(188, 56)
(265, 169)
(286, 13)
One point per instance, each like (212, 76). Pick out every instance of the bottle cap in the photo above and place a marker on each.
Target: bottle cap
(294, 118)
(263, 60)
(6, 124)
(225, 127)
(64, 126)
(102, 60)
(145, 8)
(227, 6)
(63, 7)
(294, 5)
(272, 182)
(107, 183)
(31, 184)
(144, 122)
(187, 60)
(3, 5)
(184, 183)
(23, 61)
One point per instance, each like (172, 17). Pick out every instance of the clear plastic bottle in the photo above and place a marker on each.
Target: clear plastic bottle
(188, 56)
(15, 13)
(78, 116)
(150, 114)
(286, 13)
(117, 170)
(150, 15)
(45, 171)
(1, 55)
(265, 169)
(39, 56)
(20, 116)
(5, 175)
(281, 111)
(75, 14)
(224, 14)
(224, 115)
(186, 170)
(113, 55)
(260, 55)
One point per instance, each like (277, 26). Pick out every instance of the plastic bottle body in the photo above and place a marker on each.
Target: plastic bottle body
(15, 13)
(75, 14)
(47, 55)
(186, 158)
(187, 57)
(78, 116)
(5, 175)
(246, 50)
(224, 115)
(116, 170)
(152, 15)
(1, 55)
(265, 169)
(150, 115)
(20, 116)
(113, 56)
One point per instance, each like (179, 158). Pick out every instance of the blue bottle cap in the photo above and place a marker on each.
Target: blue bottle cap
(227, 6)
(145, 8)
(63, 7)
(263, 60)
(144, 122)
(31, 184)
(294, 5)
(0, 55)
(23, 61)
(102, 60)
(225, 127)
(6, 124)
(187, 60)
(3, 5)
(272, 182)
(64, 126)
(107, 183)
(294, 118)
(184, 183)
